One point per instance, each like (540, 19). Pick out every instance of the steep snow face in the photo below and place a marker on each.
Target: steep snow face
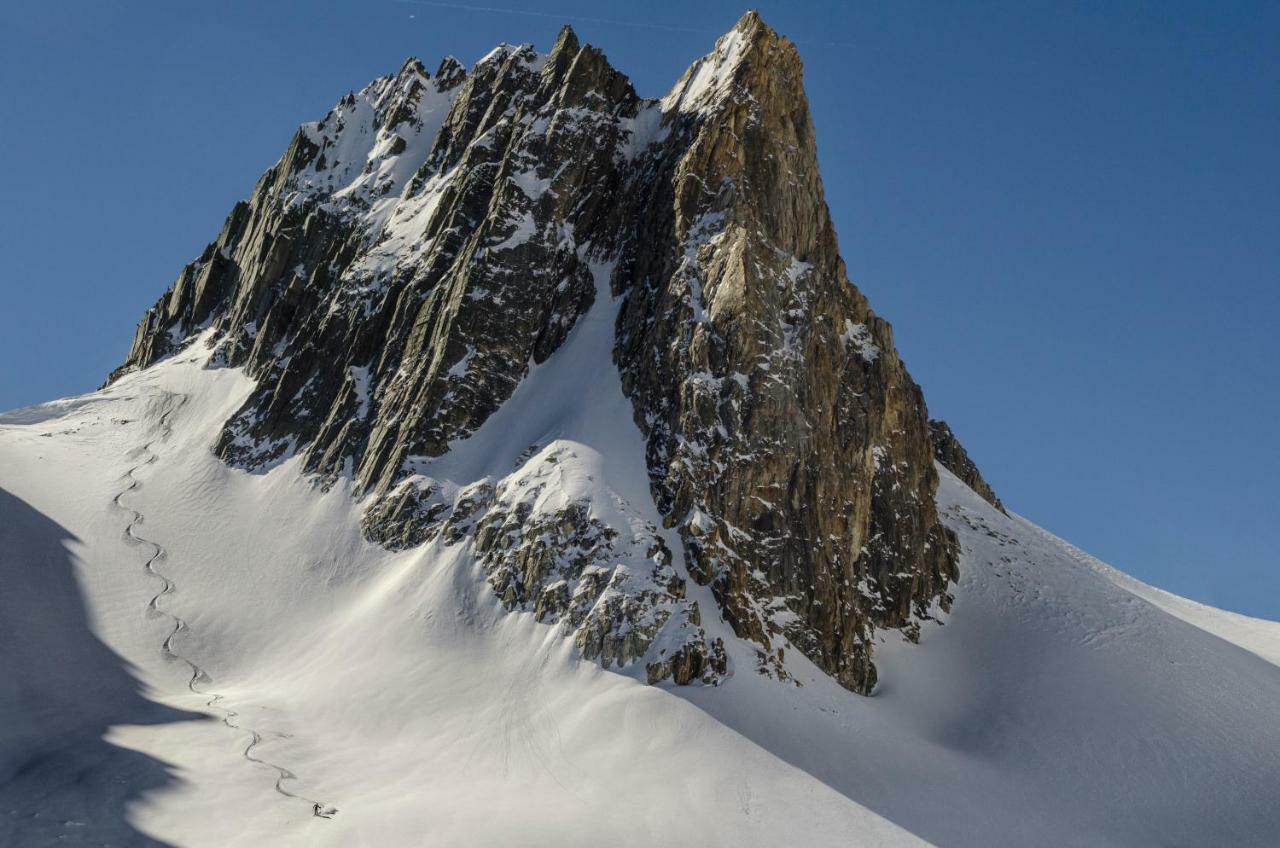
(1056, 705)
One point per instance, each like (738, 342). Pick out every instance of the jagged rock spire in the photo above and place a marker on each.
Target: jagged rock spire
(788, 444)
(450, 73)
(566, 43)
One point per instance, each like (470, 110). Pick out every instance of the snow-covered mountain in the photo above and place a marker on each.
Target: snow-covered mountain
(519, 466)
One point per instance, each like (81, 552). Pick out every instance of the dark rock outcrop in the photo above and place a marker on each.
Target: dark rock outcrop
(395, 276)
(953, 457)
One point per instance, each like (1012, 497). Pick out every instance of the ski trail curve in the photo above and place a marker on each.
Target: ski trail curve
(198, 678)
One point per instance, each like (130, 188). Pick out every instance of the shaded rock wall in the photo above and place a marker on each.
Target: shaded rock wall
(786, 440)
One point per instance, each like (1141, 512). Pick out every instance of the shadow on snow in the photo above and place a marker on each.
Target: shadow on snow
(61, 689)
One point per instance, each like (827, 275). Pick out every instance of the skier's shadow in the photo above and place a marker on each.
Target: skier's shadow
(61, 689)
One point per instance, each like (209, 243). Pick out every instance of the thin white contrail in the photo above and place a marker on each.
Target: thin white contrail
(560, 16)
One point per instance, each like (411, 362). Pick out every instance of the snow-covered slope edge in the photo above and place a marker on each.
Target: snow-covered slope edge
(391, 685)
(1257, 635)
(1053, 707)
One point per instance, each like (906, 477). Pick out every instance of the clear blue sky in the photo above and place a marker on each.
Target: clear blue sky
(1069, 211)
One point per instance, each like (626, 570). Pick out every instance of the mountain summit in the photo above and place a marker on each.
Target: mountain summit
(419, 252)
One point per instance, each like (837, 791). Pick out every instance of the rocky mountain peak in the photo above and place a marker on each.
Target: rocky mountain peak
(399, 273)
(767, 378)
(412, 67)
(566, 43)
(450, 73)
(743, 59)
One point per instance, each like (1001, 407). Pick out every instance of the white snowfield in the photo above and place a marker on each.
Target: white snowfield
(1062, 703)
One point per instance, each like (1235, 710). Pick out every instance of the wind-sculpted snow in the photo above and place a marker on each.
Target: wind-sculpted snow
(415, 255)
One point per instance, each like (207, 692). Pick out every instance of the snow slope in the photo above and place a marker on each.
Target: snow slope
(1061, 703)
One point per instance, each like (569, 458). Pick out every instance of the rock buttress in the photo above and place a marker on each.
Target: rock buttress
(786, 441)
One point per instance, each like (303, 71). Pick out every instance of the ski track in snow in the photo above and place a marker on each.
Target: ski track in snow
(198, 676)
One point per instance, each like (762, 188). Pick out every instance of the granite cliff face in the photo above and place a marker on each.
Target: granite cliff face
(788, 442)
(396, 275)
